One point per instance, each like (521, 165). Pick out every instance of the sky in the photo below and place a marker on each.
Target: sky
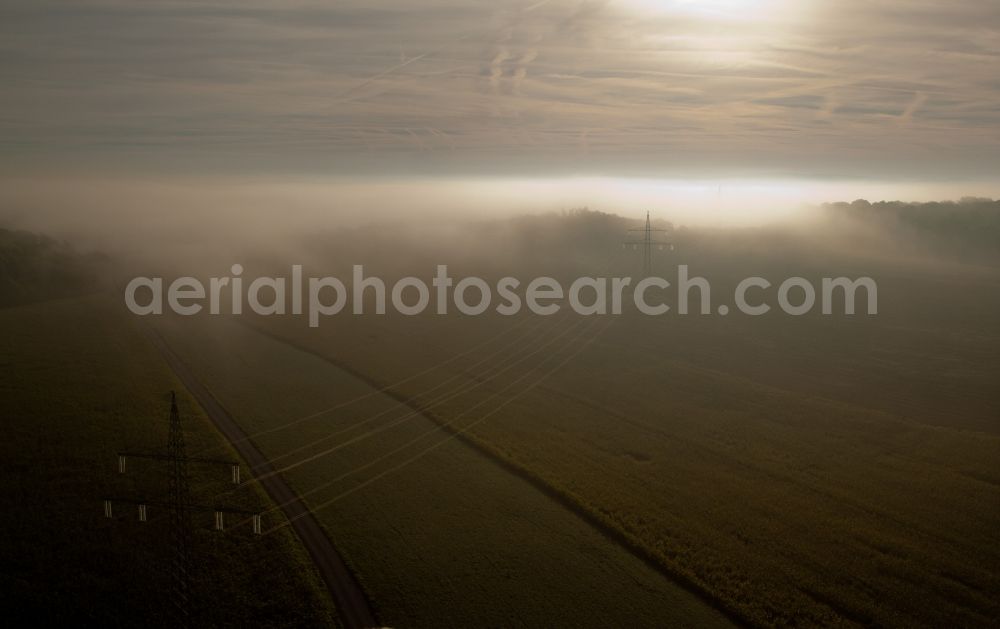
(828, 96)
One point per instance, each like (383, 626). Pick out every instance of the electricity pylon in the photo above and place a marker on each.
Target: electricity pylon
(180, 499)
(647, 244)
(180, 506)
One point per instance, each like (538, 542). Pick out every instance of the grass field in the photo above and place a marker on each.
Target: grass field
(80, 382)
(453, 540)
(800, 471)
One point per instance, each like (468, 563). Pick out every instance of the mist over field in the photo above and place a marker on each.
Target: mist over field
(408, 228)
(713, 451)
(527, 313)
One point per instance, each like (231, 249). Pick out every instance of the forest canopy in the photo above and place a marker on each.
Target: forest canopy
(35, 267)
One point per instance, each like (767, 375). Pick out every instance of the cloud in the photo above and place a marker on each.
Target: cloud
(828, 88)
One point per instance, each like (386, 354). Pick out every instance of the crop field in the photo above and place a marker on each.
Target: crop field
(80, 383)
(437, 537)
(648, 471)
(797, 471)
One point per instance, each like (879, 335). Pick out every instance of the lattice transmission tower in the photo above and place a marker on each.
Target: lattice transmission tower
(180, 506)
(647, 242)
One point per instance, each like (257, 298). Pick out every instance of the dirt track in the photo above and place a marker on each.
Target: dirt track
(353, 607)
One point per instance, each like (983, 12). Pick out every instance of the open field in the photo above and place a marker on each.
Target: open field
(800, 471)
(80, 382)
(454, 539)
(541, 471)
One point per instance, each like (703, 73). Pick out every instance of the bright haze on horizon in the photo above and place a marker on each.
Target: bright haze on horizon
(713, 110)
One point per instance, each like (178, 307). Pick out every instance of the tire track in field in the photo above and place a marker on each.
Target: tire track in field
(630, 544)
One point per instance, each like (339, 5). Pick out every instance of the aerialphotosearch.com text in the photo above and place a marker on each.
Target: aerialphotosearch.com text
(319, 297)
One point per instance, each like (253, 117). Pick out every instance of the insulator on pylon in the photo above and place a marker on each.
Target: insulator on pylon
(219, 522)
(236, 474)
(107, 509)
(256, 523)
(121, 463)
(142, 513)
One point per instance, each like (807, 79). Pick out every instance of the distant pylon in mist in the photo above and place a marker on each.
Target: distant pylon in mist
(647, 243)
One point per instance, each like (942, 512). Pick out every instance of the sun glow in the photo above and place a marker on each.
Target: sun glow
(710, 9)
